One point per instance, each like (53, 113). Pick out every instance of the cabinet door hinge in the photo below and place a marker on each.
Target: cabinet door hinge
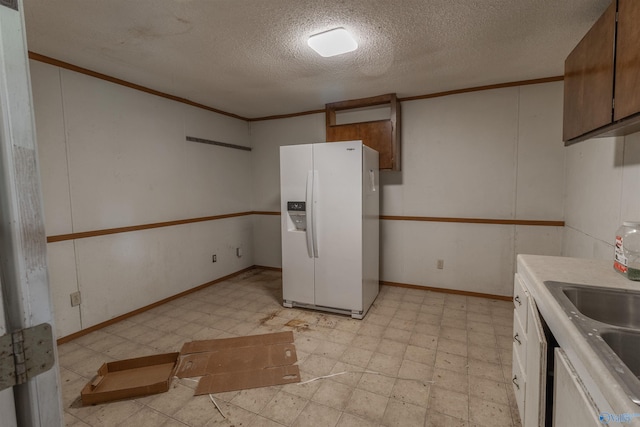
(25, 354)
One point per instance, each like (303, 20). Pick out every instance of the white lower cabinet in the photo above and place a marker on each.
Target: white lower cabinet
(572, 403)
(530, 358)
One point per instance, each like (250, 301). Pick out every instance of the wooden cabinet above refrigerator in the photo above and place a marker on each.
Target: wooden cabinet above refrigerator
(383, 135)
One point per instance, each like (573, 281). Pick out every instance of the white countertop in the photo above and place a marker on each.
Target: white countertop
(535, 270)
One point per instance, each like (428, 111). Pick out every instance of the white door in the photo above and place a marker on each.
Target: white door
(572, 404)
(536, 370)
(296, 179)
(25, 288)
(338, 222)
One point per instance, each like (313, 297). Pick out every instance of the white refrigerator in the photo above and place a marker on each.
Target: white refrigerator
(330, 226)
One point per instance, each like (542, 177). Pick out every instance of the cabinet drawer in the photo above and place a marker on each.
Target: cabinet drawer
(519, 339)
(518, 381)
(520, 301)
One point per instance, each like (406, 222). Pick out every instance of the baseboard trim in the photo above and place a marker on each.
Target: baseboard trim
(117, 319)
(264, 267)
(447, 291)
(424, 288)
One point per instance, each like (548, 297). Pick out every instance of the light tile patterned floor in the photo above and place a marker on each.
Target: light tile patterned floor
(419, 358)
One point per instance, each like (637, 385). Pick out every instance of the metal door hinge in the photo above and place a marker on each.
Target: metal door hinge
(13, 4)
(25, 354)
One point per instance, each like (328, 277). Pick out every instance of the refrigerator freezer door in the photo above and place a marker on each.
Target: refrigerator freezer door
(370, 227)
(337, 216)
(297, 262)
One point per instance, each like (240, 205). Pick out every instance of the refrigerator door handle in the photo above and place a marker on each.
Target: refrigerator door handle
(313, 216)
(309, 213)
(372, 180)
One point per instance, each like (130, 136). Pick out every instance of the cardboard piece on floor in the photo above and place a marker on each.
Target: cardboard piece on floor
(238, 363)
(236, 360)
(130, 378)
(232, 381)
(236, 342)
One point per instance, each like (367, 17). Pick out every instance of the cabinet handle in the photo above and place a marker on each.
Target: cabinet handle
(517, 299)
(517, 338)
(515, 381)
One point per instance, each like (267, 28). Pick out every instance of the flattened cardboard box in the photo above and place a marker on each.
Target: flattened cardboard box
(130, 378)
(230, 364)
(223, 365)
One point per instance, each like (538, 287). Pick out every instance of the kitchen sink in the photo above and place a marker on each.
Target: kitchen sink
(609, 320)
(626, 345)
(611, 306)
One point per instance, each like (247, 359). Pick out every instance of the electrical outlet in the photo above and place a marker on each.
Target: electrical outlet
(440, 264)
(75, 299)
(214, 258)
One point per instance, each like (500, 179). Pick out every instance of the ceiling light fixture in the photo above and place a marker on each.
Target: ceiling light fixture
(333, 42)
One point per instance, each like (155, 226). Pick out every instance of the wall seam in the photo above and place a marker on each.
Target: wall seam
(66, 156)
(515, 180)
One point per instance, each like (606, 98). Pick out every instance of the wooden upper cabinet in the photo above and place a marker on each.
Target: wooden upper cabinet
(381, 135)
(588, 79)
(627, 93)
(602, 77)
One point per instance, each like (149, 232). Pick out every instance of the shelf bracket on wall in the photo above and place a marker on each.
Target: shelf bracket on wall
(218, 143)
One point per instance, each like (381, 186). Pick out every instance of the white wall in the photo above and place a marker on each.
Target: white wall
(266, 139)
(112, 156)
(488, 154)
(602, 181)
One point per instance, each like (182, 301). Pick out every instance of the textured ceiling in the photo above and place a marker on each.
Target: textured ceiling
(250, 57)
